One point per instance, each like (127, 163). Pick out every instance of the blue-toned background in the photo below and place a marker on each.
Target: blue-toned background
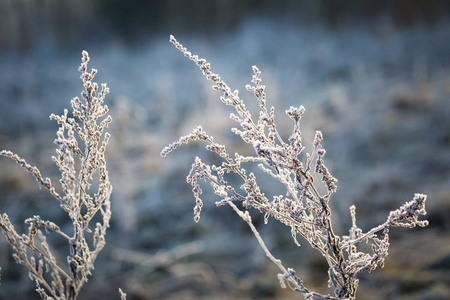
(374, 76)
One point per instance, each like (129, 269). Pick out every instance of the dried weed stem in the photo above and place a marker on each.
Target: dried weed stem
(306, 211)
(79, 168)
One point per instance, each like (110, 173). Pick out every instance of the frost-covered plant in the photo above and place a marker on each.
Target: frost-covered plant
(306, 211)
(79, 166)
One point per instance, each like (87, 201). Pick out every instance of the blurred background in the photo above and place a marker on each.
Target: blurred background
(374, 76)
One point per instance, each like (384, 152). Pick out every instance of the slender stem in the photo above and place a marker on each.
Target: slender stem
(49, 261)
(246, 217)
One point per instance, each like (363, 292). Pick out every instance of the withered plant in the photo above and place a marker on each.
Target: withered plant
(83, 169)
(303, 208)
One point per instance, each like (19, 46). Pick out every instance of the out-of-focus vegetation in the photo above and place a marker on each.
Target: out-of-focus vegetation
(26, 25)
(374, 77)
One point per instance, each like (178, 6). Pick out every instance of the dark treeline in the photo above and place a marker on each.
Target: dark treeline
(24, 24)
